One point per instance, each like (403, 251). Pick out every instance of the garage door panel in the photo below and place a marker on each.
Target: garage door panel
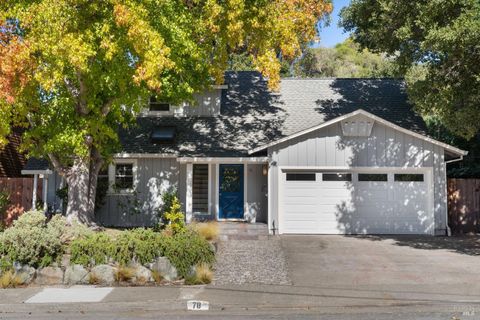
(339, 207)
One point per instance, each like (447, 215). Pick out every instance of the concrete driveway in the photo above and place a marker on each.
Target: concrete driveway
(394, 264)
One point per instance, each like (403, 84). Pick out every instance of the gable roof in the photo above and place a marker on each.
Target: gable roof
(252, 116)
(369, 115)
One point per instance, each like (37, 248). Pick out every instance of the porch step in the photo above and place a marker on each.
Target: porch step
(243, 231)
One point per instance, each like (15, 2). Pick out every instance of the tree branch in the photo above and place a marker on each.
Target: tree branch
(82, 98)
(106, 107)
(61, 169)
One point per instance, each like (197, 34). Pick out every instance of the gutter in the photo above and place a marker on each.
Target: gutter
(455, 160)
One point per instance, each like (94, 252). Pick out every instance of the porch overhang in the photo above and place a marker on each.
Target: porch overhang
(223, 160)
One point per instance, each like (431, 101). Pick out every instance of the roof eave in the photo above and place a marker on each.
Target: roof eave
(370, 115)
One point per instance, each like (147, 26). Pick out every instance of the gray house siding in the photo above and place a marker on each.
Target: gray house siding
(385, 147)
(54, 183)
(256, 194)
(154, 176)
(205, 104)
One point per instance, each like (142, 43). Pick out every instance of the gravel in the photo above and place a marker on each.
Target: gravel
(251, 261)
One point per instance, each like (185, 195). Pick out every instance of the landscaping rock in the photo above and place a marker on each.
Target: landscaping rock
(103, 274)
(192, 272)
(25, 274)
(66, 260)
(142, 275)
(163, 266)
(49, 276)
(75, 274)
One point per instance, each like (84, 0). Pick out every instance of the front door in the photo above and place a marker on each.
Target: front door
(231, 191)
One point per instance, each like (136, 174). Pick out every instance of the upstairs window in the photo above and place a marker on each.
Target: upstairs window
(156, 105)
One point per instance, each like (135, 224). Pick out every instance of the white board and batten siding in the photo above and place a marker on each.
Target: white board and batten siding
(386, 150)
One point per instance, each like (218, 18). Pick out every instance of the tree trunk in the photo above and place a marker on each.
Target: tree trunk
(82, 187)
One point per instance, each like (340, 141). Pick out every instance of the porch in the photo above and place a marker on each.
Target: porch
(225, 189)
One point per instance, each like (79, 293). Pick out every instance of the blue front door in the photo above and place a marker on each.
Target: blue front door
(231, 191)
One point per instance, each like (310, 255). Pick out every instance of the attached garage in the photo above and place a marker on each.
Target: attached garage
(356, 201)
(358, 174)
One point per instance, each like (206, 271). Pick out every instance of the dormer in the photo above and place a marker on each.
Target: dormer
(207, 104)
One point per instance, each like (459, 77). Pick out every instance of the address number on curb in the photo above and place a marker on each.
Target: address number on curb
(194, 305)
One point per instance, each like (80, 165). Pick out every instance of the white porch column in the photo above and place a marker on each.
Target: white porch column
(270, 198)
(34, 195)
(189, 195)
(246, 209)
(45, 192)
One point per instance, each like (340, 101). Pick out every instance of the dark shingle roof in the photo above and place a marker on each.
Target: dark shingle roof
(252, 116)
(36, 164)
(11, 159)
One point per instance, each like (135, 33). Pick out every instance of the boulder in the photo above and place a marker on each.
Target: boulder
(192, 272)
(75, 274)
(24, 273)
(102, 274)
(142, 275)
(49, 276)
(163, 267)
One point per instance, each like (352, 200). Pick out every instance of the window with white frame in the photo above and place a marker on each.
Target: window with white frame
(122, 176)
(158, 106)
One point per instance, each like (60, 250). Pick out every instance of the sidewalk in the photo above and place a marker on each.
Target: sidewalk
(237, 299)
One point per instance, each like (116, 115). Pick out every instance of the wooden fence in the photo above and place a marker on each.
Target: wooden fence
(20, 190)
(464, 205)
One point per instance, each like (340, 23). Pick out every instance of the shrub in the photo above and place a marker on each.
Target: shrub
(124, 274)
(32, 241)
(137, 245)
(174, 217)
(207, 230)
(9, 280)
(187, 249)
(93, 278)
(157, 276)
(91, 250)
(203, 275)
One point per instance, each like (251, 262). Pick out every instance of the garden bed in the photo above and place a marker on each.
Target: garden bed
(35, 252)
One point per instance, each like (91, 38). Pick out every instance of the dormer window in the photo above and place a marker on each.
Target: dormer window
(156, 105)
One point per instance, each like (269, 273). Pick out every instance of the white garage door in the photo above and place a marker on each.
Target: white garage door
(355, 202)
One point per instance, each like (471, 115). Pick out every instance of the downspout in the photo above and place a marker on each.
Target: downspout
(449, 231)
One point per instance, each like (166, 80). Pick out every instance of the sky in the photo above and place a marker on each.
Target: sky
(331, 35)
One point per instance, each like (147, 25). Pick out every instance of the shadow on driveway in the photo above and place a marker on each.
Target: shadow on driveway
(469, 245)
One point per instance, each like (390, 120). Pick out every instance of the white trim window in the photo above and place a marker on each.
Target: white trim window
(122, 176)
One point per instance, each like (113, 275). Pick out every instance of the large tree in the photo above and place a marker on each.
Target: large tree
(436, 43)
(72, 71)
(345, 60)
